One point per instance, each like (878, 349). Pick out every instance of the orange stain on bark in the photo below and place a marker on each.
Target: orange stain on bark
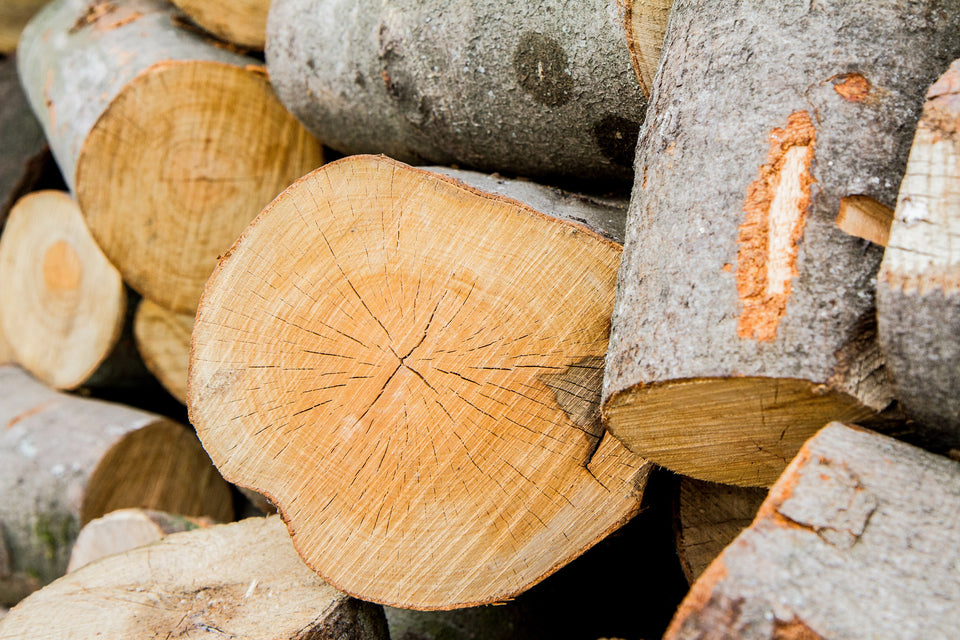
(853, 87)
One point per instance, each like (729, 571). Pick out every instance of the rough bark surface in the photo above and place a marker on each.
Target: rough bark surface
(25, 154)
(410, 369)
(763, 116)
(65, 460)
(241, 580)
(540, 89)
(918, 290)
(856, 540)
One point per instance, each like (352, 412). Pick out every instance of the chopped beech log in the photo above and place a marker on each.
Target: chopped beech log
(918, 291)
(856, 540)
(240, 580)
(242, 22)
(171, 144)
(865, 218)
(126, 529)
(539, 89)
(709, 517)
(65, 460)
(163, 339)
(14, 15)
(24, 154)
(645, 22)
(745, 318)
(410, 369)
(62, 304)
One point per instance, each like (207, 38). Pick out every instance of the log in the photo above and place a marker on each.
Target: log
(409, 368)
(62, 304)
(25, 154)
(857, 539)
(163, 340)
(66, 460)
(709, 516)
(745, 318)
(171, 144)
(544, 89)
(240, 580)
(244, 23)
(126, 529)
(865, 218)
(918, 288)
(14, 15)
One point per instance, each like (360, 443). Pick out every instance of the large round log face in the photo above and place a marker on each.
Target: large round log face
(411, 367)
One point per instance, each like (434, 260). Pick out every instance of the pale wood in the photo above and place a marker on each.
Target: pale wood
(171, 144)
(918, 292)
(14, 15)
(865, 218)
(163, 340)
(856, 540)
(242, 22)
(645, 22)
(240, 580)
(126, 529)
(543, 88)
(24, 156)
(745, 317)
(409, 368)
(62, 304)
(65, 460)
(709, 517)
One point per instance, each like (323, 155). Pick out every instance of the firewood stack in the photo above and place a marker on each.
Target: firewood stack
(576, 265)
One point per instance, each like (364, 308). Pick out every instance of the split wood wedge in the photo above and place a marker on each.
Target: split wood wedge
(410, 369)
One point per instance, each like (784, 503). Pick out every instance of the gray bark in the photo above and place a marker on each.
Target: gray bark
(732, 75)
(542, 89)
(858, 539)
(75, 56)
(24, 155)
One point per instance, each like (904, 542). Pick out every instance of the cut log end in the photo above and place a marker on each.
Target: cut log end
(163, 213)
(14, 15)
(244, 23)
(163, 340)
(440, 344)
(646, 23)
(864, 217)
(739, 431)
(63, 303)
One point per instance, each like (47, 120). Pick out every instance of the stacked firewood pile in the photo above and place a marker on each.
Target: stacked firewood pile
(463, 353)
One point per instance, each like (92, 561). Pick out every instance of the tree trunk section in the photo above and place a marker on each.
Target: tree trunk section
(171, 143)
(66, 460)
(14, 15)
(745, 318)
(856, 540)
(62, 304)
(708, 517)
(126, 529)
(25, 155)
(410, 368)
(163, 339)
(918, 290)
(243, 22)
(241, 580)
(544, 89)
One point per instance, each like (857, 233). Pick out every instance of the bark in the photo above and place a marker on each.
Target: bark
(126, 529)
(708, 517)
(65, 460)
(410, 368)
(25, 154)
(163, 340)
(244, 23)
(918, 290)
(856, 540)
(63, 306)
(241, 580)
(544, 89)
(171, 143)
(745, 318)
(14, 15)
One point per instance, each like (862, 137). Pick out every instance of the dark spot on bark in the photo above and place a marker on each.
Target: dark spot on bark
(540, 64)
(312, 63)
(360, 80)
(617, 138)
